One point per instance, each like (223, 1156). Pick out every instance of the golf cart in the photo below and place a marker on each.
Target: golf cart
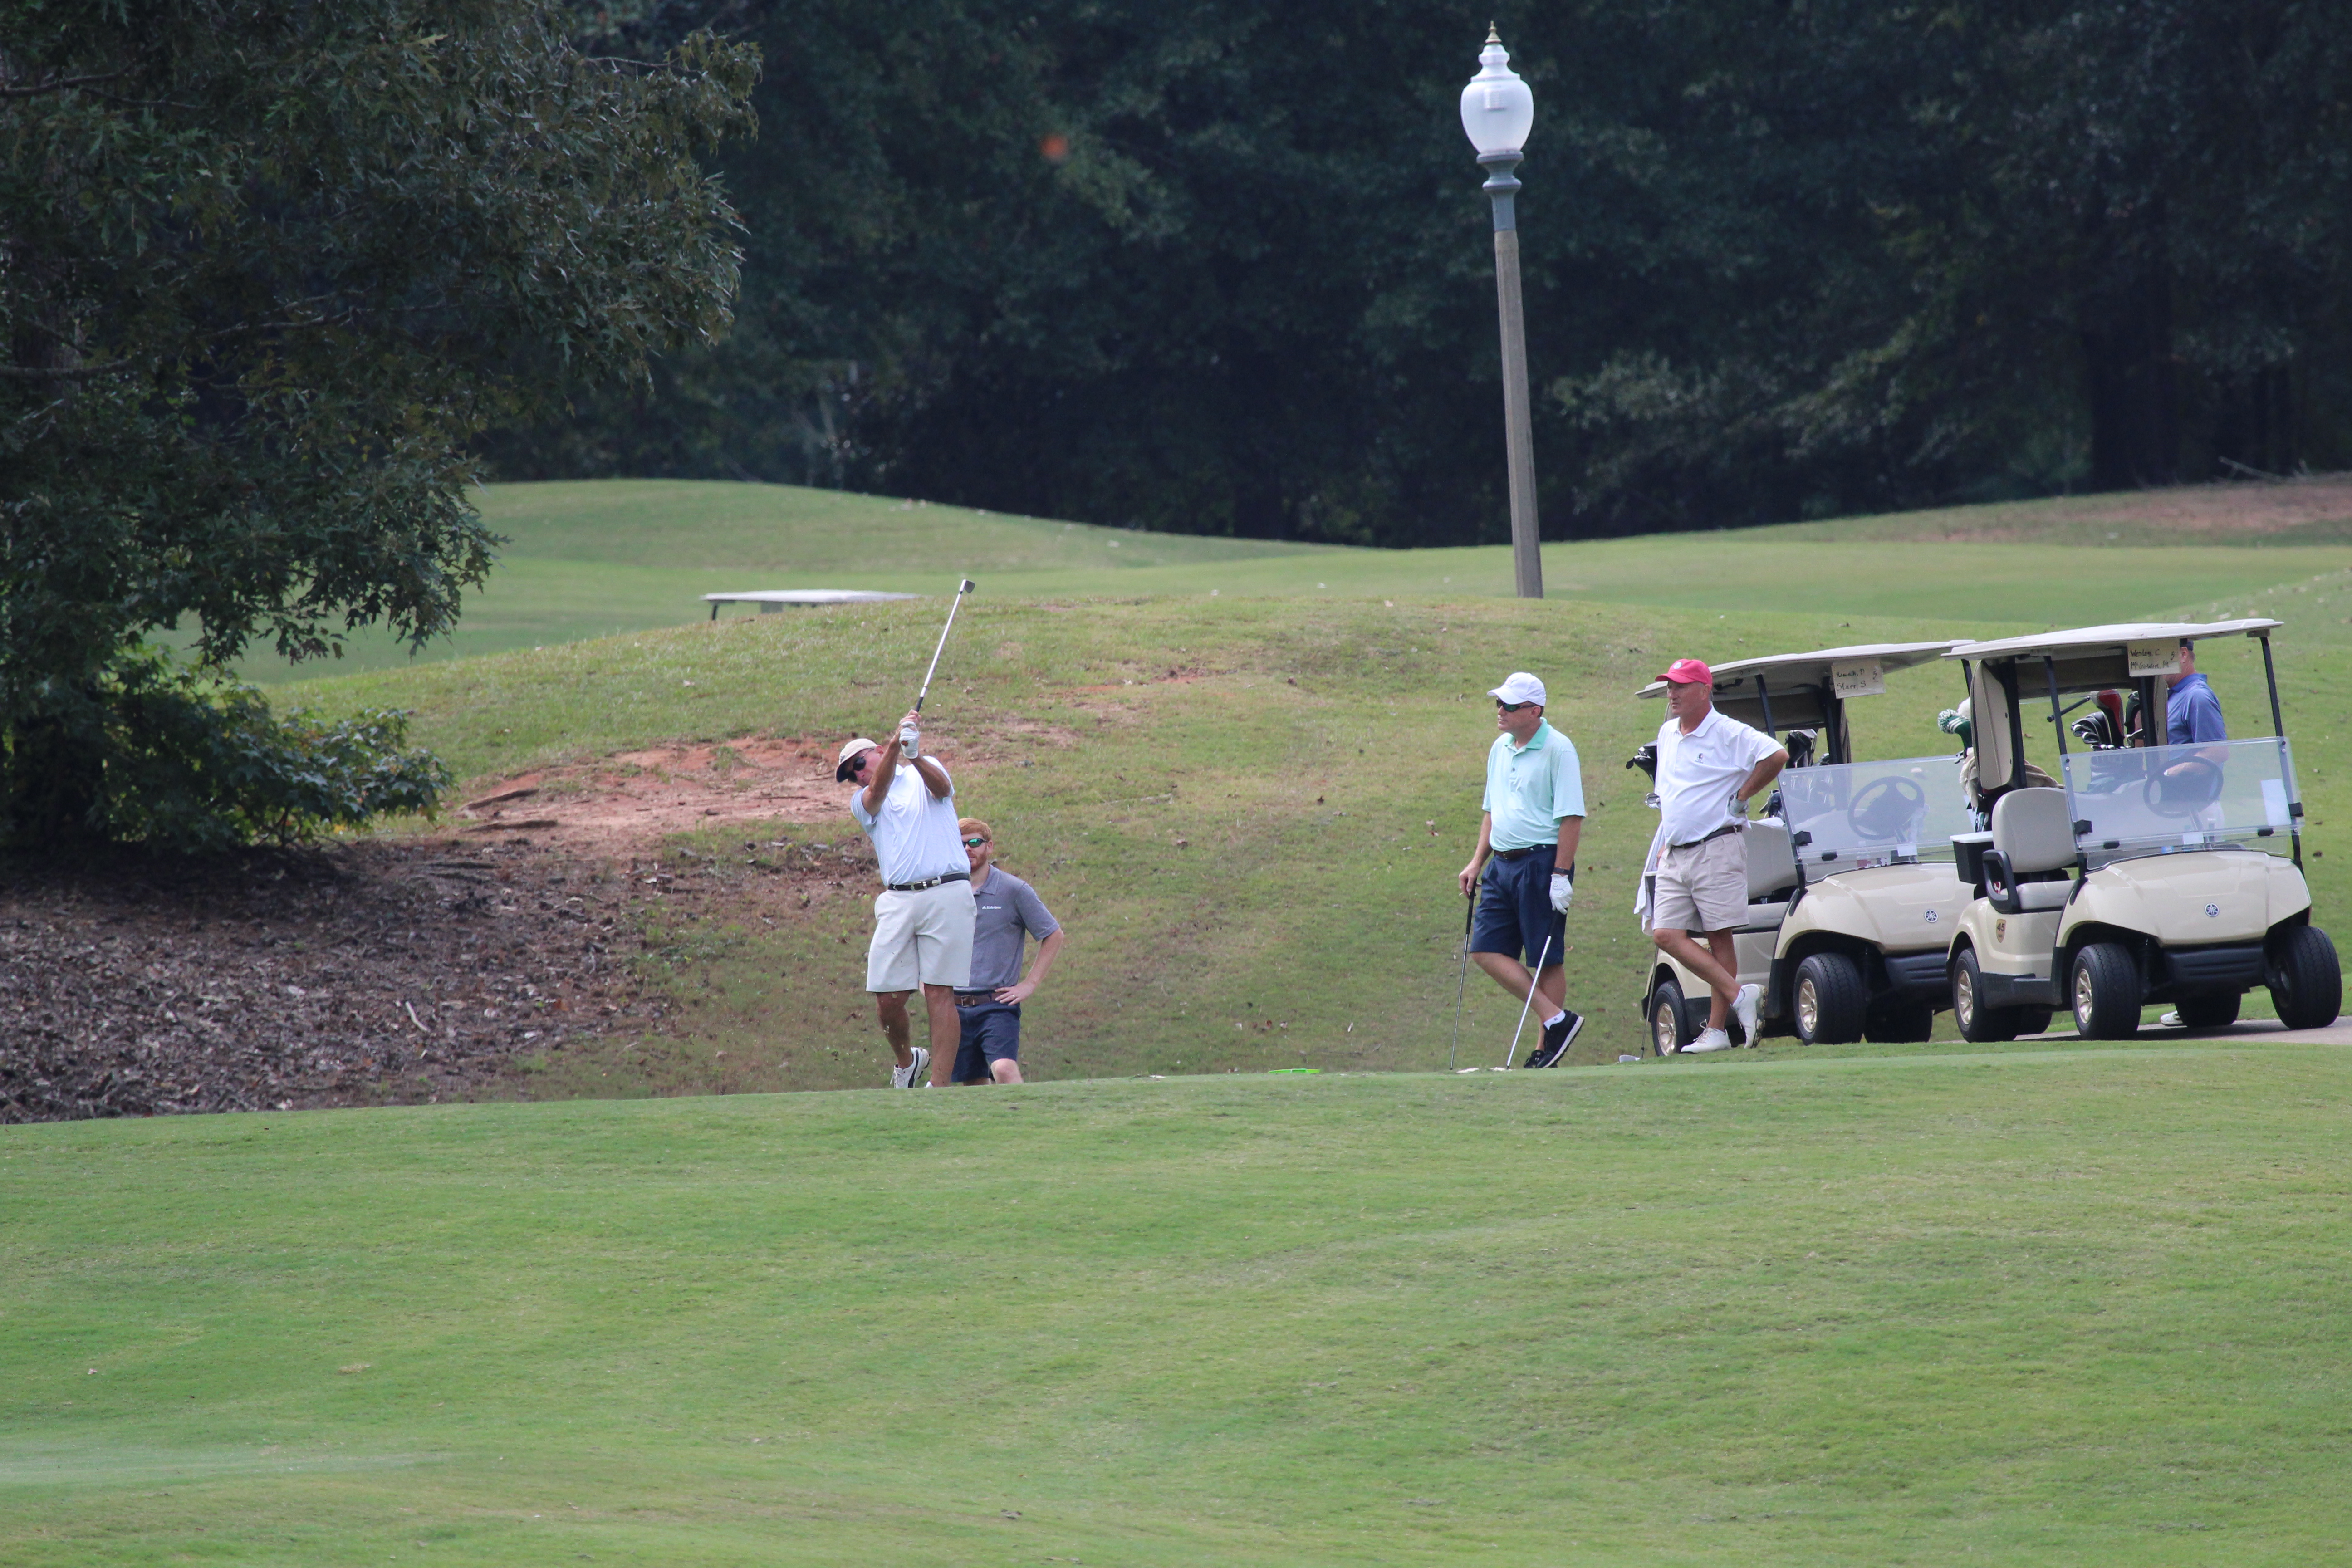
(2144, 873)
(1850, 901)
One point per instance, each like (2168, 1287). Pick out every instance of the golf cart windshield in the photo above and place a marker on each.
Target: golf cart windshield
(2161, 799)
(1873, 814)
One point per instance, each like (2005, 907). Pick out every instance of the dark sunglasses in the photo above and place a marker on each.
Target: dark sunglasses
(973, 843)
(1511, 707)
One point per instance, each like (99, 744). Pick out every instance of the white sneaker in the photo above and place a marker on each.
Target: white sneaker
(1708, 1040)
(2170, 1021)
(1744, 1006)
(906, 1077)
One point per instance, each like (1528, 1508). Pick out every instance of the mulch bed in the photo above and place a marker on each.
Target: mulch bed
(352, 975)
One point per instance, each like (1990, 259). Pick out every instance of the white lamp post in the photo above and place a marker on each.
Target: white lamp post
(1497, 110)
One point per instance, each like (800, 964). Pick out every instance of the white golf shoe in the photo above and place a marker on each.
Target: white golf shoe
(908, 1076)
(1708, 1040)
(1744, 1008)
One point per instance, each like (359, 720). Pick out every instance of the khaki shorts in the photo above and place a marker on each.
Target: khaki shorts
(1703, 887)
(922, 939)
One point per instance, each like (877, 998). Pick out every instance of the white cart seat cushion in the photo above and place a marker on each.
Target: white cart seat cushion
(1771, 863)
(2031, 827)
(2043, 895)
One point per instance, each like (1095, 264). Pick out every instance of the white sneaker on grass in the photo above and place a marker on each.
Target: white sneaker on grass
(1708, 1040)
(906, 1077)
(1744, 1006)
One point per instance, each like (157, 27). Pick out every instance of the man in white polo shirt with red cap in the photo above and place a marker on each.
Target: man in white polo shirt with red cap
(923, 915)
(1710, 767)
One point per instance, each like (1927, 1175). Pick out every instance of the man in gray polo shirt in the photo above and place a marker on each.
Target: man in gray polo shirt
(1007, 912)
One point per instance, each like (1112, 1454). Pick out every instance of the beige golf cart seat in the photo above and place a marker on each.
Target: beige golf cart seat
(1772, 874)
(2034, 836)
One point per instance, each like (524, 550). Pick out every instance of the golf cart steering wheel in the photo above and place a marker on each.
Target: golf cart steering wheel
(2184, 789)
(1897, 801)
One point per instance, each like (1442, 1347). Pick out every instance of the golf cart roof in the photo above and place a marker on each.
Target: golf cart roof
(1789, 670)
(2091, 640)
(2004, 678)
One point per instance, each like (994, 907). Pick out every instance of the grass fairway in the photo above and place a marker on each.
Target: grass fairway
(590, 559)
(2076, 1305)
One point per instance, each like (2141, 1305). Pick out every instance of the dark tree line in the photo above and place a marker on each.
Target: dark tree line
(1223, 267)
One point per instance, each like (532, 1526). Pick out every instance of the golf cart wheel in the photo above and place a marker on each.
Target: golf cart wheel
(2210, 1011)
(1900, 1023)
(1670, 1029)
(1830, 1000)
(2104, 985)
(1978, 1023)
(2306, 986)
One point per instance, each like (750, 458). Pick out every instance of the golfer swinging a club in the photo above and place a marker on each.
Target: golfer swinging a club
(1523, 871)
(923, 916)
(1710, 766)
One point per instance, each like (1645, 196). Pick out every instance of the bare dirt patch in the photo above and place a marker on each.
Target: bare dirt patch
(628, 803)
(624, 803)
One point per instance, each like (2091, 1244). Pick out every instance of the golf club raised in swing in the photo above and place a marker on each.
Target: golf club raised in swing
(956, 603)
(1530, 1002)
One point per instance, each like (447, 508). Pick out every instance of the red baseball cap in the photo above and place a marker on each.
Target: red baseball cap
(1689, 672)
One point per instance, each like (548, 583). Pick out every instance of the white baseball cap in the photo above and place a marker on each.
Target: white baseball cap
(848, 753)
(1520, 687)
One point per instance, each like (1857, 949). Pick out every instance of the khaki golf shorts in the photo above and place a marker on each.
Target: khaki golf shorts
(922, 939)
(1703, 887)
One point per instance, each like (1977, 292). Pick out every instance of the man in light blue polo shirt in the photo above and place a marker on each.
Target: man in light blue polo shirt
(1523, 871)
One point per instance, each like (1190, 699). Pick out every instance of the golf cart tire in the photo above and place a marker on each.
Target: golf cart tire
(1830, 1001)
(1979, 1025)
(2103, 983)
(1668, 1020)
(2210, 1011)
(2307, 986)
(1907, 1022)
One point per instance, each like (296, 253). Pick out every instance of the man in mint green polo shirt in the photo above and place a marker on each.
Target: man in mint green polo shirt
(1523, 871)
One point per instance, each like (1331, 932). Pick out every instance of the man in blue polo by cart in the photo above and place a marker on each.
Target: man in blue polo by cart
(2192, 714)
(1523, 871)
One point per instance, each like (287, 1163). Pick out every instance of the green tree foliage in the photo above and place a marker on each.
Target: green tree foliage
(1224, 267)
(266, 268)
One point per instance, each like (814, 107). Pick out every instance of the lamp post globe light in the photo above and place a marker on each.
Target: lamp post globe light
(1497, 111)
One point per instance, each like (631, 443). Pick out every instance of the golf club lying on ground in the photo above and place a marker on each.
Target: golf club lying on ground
(1531, 1001)
(955, 605)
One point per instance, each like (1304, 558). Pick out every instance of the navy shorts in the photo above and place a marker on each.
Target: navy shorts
(991, 1033)
(1514, 912)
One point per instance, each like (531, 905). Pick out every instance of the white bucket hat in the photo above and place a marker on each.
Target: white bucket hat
(1521, 687)
(849, 753)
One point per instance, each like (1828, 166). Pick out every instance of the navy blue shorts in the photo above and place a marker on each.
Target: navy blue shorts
(1514, 912)
(991, 1033)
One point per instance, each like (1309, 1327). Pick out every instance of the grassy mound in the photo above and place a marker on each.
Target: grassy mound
(2030, 1306)
(1249, 810)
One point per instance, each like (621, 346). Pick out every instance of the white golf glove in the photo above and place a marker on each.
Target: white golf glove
(910, 741)
(1562, 891)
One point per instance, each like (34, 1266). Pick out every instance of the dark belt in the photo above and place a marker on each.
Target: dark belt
(934, 882)
(1726, 827)
(1523, 854)
(973, 998)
